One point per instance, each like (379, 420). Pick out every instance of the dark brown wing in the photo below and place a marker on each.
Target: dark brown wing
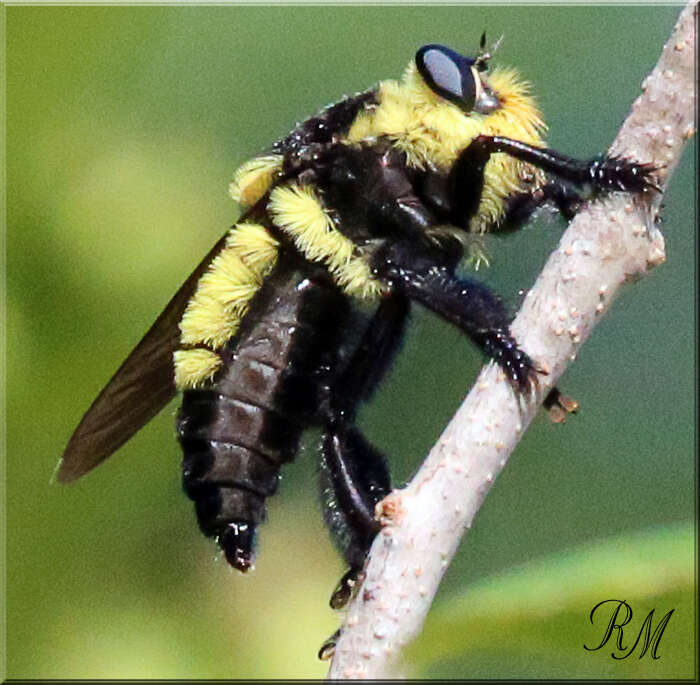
(139, 389)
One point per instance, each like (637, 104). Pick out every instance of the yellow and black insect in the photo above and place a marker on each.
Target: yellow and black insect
(368, 201)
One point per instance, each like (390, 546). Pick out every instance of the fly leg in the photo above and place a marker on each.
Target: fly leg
(594, 177)
(407, 269)
(354, 474)
(470, 305)
(473, 308)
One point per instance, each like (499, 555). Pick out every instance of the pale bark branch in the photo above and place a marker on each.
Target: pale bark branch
(609, 243)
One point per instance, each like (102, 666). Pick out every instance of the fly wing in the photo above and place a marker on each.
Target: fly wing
(139, 389)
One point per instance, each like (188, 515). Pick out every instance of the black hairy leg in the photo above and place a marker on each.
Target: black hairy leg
(354, 478)
(372, 357)
(595, 177)
(408, 269)
(354, 474)
(465, 185)
(472, 307)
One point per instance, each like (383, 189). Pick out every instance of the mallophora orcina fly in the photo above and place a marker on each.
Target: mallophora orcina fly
(367, 201)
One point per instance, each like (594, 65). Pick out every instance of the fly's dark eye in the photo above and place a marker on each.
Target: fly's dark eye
(448, 74)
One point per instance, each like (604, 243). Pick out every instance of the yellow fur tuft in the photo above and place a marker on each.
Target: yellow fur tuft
(223, 294)
(207, 321)
(252, 179)
(432, 131)
(255, 246)
(298, 211)
(194, 368)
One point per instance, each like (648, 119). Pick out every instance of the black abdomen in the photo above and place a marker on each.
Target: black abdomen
(238, 431)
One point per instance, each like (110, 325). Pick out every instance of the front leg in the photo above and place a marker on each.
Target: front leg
(599, 175)
(408, 268)
(593, 177)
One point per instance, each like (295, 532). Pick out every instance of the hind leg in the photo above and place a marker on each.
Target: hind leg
(354, 477)
(354, 474)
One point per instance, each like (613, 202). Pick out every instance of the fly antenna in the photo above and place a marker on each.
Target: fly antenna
(485, 55)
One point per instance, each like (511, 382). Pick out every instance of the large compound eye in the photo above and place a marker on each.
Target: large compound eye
(455, 78)
(448, 73)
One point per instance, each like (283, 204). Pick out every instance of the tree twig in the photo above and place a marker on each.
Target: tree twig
(609, 243)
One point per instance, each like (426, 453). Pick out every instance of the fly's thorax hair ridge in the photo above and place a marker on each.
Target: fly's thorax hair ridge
(432, 131)
(298, 210)
(220, 301)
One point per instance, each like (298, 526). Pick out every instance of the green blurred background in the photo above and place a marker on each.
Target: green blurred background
(124, 125)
